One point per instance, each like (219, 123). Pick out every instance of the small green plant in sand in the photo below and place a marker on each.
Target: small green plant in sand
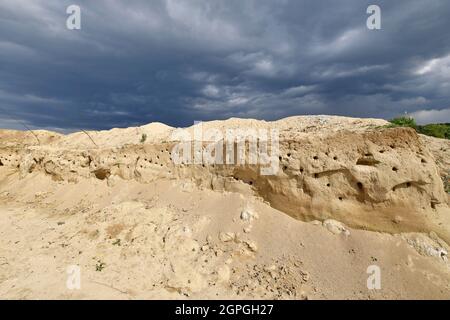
(100, 266)
(447, 183)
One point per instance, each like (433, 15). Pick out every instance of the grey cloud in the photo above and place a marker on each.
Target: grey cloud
(431, 116)
(179, 61)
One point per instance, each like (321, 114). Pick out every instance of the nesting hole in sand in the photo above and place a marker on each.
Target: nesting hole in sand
(394, 169)
(316, 175)
(360, 185)
(301, 170)
(335, 158)
(315, 157)
(423, 160)
(340, 198)
(367, 161)
(102, 174)
(1, 163)
(328, 184)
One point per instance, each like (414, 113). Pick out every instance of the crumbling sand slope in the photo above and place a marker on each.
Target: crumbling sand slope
(170, 239)
(114, 201)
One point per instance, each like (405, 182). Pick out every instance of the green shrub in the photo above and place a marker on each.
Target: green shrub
(404, 122)
(143, 137)
(438, 130)
(435, 130)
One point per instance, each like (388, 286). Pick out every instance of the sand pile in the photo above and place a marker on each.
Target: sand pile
(153, 132)
(15, 139)
(116, 201)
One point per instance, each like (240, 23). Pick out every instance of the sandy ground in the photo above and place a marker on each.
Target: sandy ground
(170, 239)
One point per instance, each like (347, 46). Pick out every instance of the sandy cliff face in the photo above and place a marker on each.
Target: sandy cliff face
(329, 167)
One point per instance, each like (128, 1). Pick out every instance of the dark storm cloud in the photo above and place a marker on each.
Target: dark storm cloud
(135, 62)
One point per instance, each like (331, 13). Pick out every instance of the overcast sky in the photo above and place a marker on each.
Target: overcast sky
(172, 61)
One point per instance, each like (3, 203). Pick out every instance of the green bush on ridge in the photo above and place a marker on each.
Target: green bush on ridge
(438, 130)
(404, 122)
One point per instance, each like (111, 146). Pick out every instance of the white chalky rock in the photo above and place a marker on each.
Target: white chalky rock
(427, 246)
(227, 236)
(336, 227)
(252, 246)
(223, 274)
(247, 215)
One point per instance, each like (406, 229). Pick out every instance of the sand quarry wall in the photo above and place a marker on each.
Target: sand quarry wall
(384, 180)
